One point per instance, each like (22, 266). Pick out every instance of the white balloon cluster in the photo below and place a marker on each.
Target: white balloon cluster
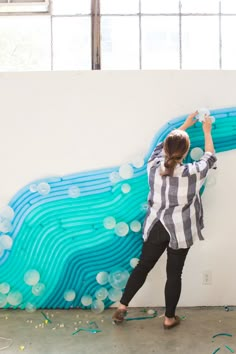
(202, 113)
(42, 188)
(6, 216)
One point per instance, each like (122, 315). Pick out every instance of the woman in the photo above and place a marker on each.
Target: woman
(175, 216)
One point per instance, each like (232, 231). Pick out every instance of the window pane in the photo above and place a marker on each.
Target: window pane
(228, 44)
(200, 6)
(200, 42)
(25, 43)
(159, 6)
(71, 43)
(120, 42)
(119, 6)
(228, 6)
(160, 42)
(70, 7)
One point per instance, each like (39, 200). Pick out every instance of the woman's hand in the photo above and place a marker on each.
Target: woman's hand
(207, 125)
(190, 120)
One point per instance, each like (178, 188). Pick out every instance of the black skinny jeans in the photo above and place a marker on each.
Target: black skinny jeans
(153, 248)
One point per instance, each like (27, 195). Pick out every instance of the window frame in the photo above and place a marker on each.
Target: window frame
(24, 7)
(43, 8)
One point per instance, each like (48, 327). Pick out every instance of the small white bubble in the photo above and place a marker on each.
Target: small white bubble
(114, 177)
(74, 191)
(6, 242)
(126, 188)
(86, 300)
(134, 262)
(33, 188)
(121, 229)
(109, 223)
(44, 188)
(135, 226)
(69, 295)
(138, 161)
(151, 312)
(6, 212)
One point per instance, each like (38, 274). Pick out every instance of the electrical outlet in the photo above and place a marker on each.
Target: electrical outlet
(207, 277)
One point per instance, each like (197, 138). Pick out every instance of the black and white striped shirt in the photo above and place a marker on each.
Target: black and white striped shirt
(175, 200)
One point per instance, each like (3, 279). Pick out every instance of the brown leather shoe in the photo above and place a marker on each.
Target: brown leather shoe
(174, 324)
(119, 316)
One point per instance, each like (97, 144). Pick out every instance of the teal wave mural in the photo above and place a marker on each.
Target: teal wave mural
(72, 241)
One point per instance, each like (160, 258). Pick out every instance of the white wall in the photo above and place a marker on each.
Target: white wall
(60, 123)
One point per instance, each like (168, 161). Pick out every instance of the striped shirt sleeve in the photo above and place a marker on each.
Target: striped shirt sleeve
(158, 153)
(207, 161)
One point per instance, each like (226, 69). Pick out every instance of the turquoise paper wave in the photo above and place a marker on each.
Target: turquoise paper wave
(64, 238)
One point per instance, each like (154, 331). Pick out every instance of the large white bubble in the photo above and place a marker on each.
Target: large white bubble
(121, 229)
(6, 242)
(14, 298)
(38, 289)
(101, 294)
(86, 300)
(196, 153)
(109, 222)
(7, 212)
(115, 295)
(4, 288)
(70, 295)
(102, 278)
(126, 171)
(97, 306)
(31, 277)
(118, 278)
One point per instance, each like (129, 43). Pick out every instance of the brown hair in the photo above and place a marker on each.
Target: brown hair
(176, 145)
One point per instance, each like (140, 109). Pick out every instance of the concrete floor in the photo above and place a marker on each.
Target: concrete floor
(194, 335)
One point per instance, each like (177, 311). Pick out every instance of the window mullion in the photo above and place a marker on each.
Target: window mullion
(96, 37)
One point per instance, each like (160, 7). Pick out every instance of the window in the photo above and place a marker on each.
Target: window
(120, 42)
(70, 7)
(117, 34)
(71, 43)
(55, 40)
(228, 45)
(24, 43)
(160, 42)
(200, 42)
(19, 6)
